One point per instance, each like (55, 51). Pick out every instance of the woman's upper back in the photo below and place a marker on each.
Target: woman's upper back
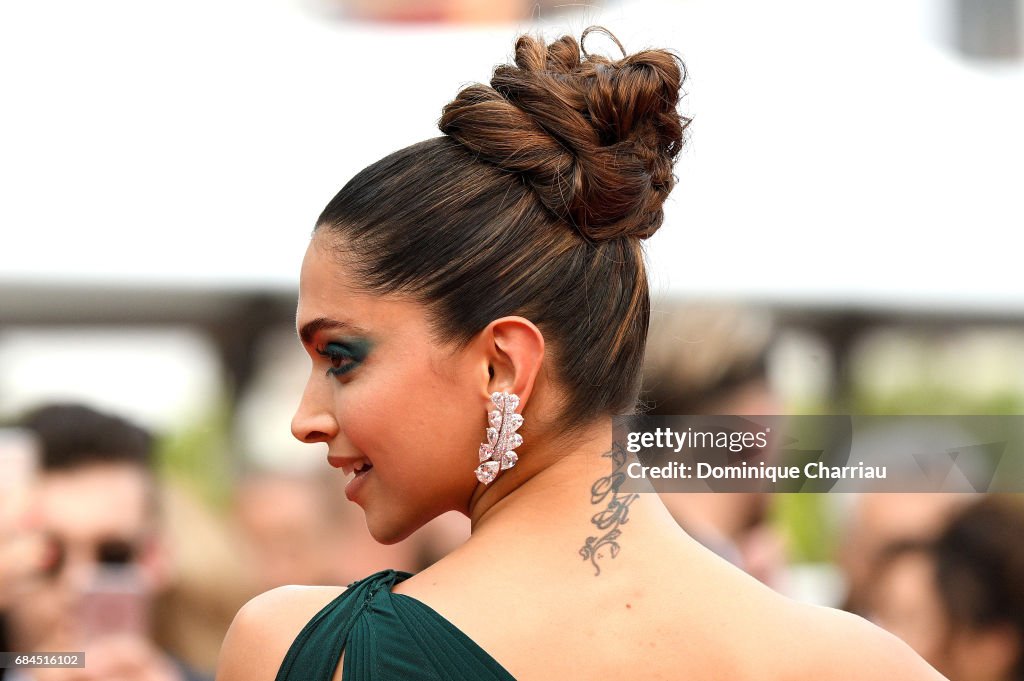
(725, 628)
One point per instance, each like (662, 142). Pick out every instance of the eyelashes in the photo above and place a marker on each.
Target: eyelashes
(343, 357)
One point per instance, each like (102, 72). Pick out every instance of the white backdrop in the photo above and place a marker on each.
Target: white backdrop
(840, 152)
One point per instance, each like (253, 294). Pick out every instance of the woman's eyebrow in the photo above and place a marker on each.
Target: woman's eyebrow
(311, 328)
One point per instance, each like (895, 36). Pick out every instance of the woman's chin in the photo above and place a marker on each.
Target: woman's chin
(388, 531)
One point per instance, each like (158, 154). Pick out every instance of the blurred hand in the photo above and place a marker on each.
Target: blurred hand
(118, 657)
(764, 556)
(23, 553)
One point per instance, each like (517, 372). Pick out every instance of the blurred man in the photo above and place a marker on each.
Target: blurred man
(958, 599)
(97, 509)
(288, 527)
(874, 521)
(712, 359)
(301, 530)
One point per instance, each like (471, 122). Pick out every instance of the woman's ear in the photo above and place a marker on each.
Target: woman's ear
(514, 351)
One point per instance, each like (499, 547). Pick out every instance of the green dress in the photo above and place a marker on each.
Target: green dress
(385, 637)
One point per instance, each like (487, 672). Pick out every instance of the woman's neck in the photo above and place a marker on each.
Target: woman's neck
(571, 495)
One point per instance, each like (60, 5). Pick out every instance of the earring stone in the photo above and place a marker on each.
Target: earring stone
(497, 454)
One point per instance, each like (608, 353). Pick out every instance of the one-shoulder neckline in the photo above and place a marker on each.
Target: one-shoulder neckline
(399, 577)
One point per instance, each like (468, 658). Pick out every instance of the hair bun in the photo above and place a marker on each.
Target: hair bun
(596, 138)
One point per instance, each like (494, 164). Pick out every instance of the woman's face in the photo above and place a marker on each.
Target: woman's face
(384, 395)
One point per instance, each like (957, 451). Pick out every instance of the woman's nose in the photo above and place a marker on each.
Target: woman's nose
(314, 420)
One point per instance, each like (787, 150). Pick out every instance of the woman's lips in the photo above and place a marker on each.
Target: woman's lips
(348, 464)
(357, 483)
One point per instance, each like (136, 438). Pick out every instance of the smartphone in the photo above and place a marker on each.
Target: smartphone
(116, 601)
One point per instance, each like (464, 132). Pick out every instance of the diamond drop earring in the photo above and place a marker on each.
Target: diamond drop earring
(497, 453)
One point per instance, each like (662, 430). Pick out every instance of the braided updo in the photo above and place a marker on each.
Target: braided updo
(595, 138)
(532, 203)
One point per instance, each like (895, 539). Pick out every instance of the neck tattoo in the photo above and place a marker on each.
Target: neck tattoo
(614, 514)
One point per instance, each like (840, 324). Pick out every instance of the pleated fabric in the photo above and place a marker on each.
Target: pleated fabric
(385, 637)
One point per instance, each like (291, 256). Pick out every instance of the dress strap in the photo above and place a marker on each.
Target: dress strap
(314, 654)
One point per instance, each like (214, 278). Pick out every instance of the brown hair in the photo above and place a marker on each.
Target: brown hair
(979, 566)
(74, 435)
(533, 203)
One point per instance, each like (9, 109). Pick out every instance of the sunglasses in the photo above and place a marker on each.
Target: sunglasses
(110, 552)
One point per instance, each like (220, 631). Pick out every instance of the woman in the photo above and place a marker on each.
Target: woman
(494, 277)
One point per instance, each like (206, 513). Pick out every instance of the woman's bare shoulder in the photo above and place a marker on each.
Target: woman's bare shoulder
(264, 628)
(772, 636)
(828, 644)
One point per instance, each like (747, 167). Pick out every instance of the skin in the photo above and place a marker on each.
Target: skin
(662, 608)
(734, 523)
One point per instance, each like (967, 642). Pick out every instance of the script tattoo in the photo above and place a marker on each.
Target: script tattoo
(616, 513)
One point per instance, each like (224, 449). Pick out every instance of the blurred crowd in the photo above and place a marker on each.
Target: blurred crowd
(942, 571)
(101, 553)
